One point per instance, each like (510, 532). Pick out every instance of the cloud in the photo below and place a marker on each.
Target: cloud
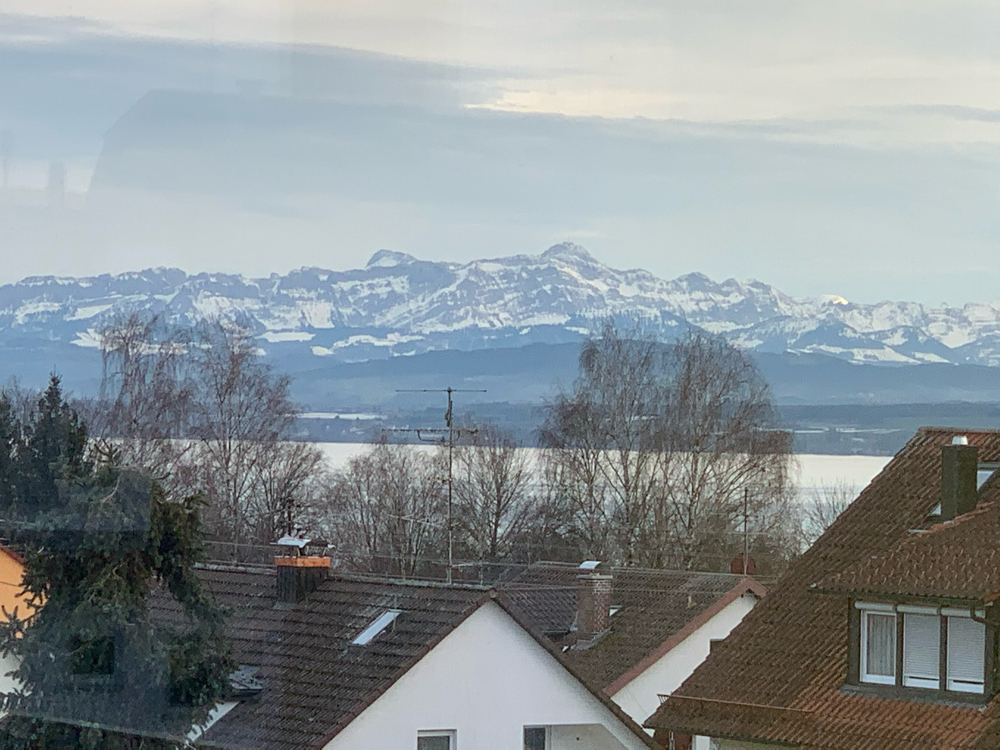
(842, 145)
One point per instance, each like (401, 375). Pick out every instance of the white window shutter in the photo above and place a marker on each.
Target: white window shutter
(921, 650)
(966, 648)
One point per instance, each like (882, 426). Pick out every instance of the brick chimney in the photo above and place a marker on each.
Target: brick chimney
(298, 574)
(593, 604)
(959, 490)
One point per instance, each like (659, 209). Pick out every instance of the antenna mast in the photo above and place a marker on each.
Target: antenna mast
(452, 432)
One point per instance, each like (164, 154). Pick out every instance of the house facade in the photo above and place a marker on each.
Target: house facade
(487, 684)
(341, 662)
(884, 634)
(13, 600)
(635, 634)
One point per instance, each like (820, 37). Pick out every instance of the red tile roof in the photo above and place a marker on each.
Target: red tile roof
(780, 675)
(958, 559)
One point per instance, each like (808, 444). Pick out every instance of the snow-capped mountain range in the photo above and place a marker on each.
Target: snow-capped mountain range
(399, 305)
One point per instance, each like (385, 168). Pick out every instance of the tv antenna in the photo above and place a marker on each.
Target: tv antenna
(445, 436)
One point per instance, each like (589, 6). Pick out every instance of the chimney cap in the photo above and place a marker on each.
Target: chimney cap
(292, 541)
(589, 566)
(960, 440)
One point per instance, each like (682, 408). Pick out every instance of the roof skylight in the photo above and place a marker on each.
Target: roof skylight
(380, 623)
(984, 471)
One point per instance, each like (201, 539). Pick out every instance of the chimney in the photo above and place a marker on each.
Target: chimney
(959, 492)
(593, 604)
(298, 574)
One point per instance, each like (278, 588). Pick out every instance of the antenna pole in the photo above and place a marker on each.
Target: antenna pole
(449, 423)
(451, 450)
(746, 534)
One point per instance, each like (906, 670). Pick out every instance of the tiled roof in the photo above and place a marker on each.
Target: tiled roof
(654, 608)
(315, 681)
(957, 559)
(779, 676)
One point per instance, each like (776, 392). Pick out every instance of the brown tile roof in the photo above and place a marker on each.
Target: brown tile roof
(957, 559)
(315, 681)
(656, 610)
(779, 676)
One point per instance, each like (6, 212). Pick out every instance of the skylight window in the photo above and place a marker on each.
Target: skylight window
(984, 471)
(380, 623)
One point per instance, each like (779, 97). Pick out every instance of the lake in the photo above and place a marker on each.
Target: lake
(814, 472)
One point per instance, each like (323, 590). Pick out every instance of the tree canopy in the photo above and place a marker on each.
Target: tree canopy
(96, 667)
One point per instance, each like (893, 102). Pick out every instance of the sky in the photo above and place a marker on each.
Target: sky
(840, 147)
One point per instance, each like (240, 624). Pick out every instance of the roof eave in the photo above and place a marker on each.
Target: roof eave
(745, 586)
(908, 598)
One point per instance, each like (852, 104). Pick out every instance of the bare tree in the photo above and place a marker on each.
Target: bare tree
(146, 394)
(722, 453)
(822, 506)
(605, 438)
(205, 411)
(241, 412)
(492, 493)
(668, 448)
(286, 485)
(386, 509)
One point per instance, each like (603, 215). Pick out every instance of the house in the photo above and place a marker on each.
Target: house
(14, 601)
(883, 634)
(342, 662)
(633, 633)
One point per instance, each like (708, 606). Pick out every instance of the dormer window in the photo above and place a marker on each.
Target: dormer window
(933, 648)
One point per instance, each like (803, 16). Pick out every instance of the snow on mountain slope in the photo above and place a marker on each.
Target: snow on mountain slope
(399, 304)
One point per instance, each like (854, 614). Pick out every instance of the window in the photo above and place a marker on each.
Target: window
(378, 625)
(535, 738)
(966, 651)
(878, 647)
(984, 471)
(921, 650)
(438, 740)
(921, 629)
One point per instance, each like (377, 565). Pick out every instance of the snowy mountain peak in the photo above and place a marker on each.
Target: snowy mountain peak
(571, 252)
(400, 305)
(832, 299)
(389, 259)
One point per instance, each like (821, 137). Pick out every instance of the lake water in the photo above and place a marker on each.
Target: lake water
(814, 472)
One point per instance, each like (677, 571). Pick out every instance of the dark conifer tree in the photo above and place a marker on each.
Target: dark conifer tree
(53, 455)
(97, 668)
(10, 445)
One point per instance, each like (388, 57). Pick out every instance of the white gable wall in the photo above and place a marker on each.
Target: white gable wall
(640, 698)
(487, 680)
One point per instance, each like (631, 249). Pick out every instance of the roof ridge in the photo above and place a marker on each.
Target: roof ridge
(415, 582)
(959, 430)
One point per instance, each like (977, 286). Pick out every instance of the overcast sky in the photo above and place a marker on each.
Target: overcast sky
(846, 146)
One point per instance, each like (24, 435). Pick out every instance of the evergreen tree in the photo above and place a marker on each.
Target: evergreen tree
(10, 441)
(96, 669)
(53, 454)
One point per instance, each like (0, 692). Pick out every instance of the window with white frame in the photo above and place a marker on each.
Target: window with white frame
(436, 740)
(933, 639)
(878, 645)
